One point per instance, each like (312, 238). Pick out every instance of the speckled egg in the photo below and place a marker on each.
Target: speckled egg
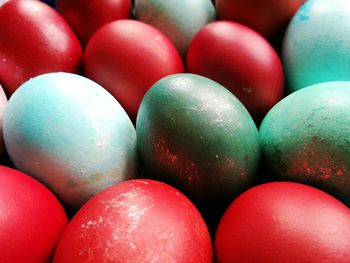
(71, 134)
(179, 20)
(306, 138)
(316, 46)
(196, 135)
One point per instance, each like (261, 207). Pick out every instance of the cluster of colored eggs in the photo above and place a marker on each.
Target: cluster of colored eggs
(148, 120)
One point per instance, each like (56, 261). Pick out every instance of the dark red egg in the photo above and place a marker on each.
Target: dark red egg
(35, 39)
(136, 221)
(127, 57)
(268, 17)
(241, 60)
(31, 219)
(86, 16)
(284, 222)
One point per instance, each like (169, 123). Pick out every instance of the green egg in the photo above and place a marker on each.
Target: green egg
(306, 138)
(195, 135)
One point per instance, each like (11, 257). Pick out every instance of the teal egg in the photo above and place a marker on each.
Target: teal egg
(71, 134)
(179, 20)
(306, 138)
(316, 45)
(197, 136)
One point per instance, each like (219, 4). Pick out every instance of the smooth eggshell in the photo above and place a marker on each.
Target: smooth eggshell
(127, 57)
(136, 221)
(268, 17)
(179, 20)
(3, 104)
(241, 60)
(86, 16)
(306, 138)
(31, 219)
(284, 222)
(316, 46)
(71, 134)
(35, 39)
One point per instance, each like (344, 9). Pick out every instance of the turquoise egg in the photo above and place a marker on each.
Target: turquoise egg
(179, 20)
(306, 138)
(316, 45)
(72, 135)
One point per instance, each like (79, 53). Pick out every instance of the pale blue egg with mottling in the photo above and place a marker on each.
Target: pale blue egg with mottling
(69, 133)
(179, 20)
(316, 45)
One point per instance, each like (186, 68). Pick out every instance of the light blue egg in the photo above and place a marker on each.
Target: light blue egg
(71, 134)
(179, 20)
(316, 46)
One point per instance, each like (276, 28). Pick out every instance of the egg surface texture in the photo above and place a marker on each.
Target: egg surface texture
(316, 46)
(306, 138)
(284, 222)
(194, 134)
(31, 220)
(71, 134)
(136, 221)
(179, 20)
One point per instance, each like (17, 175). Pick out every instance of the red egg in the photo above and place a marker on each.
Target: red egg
(127, 57)
(242, 61)
(3, 104)
(86, 16)
(284, 222)
(35, 39)
(268, 17)
(136, 221)
(31, 219)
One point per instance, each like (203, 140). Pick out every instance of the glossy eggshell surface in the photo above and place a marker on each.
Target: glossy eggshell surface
(242, 61)
(71, 134)
(284, 222)
(86, 16)
(306, 138)
(316, 47)
(31, 219)
(179, 20)
(136, 221)
(35, 39)
(3, 105)
(127, 57)
(196, 135)
(268, 17)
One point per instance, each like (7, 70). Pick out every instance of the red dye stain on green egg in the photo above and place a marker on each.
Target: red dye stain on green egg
(306, 138)
(194, 134)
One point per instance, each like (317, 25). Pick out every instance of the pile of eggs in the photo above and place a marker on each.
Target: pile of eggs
(175, 131)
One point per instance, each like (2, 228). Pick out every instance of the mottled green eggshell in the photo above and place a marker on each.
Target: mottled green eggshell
(306, 138)
(194, 134)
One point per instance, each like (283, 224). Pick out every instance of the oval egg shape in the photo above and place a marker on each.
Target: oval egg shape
(306, 138)
(194, 134)
(71, 134)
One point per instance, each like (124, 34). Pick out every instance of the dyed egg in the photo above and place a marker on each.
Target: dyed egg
(31, 219)
(269, 17)
(178, 20)
(71, 134)
(316, 47)
(194, 134)
(284, 222)
(136, 221)
(35, 39)
(126, 57)
(3, 104)
(306, 138)
(86, 16)
(242, 61)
